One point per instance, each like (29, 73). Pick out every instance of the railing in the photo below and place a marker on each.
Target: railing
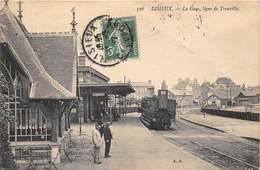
(116, 112)
(233, 114)
(29, 125)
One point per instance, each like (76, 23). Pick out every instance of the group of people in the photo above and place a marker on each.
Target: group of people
(101, 130)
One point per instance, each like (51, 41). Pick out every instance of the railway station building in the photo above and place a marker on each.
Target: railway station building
(100, 98)
(45, 84)
(41, 71)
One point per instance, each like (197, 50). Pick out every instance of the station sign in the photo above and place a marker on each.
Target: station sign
(98, 94)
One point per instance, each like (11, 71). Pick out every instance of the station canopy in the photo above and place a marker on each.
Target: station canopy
(107, 88)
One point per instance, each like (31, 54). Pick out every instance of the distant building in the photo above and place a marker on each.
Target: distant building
(189, 87)
(150, 92)
(196, 92)
(204, 92)
(226, 96)
(257, 89)
(142, 89)
(247, 97)
(183, 98)
(219, 99)
(185, 84)
(221, 86)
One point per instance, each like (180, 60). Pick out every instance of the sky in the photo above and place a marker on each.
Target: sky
(172, 45)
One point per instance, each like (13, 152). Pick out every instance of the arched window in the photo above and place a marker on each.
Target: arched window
(6, 81)
(3, 85)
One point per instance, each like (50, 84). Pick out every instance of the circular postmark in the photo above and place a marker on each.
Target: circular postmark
(107, 41)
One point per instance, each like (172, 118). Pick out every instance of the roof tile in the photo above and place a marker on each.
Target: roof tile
(57, 54)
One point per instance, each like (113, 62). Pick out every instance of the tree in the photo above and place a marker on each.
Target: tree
(225, 81)
(182, 84)
(6, 156)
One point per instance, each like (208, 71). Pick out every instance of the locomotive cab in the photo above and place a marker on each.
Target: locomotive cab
(163, 99)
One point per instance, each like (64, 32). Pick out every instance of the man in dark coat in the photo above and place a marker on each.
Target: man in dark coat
(107, 137)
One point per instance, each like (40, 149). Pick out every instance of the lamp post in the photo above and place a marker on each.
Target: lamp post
(230, 94)
(15, 107)
(182, 100)
(181, 105)
(79, 110)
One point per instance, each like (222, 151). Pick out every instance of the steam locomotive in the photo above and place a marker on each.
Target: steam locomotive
(158, 111)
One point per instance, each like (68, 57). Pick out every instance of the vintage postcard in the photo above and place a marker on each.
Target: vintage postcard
(129, 85)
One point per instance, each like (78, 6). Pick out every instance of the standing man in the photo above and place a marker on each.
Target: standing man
(107, 137)
(97, 140)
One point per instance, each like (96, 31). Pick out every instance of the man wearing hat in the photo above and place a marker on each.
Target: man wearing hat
(107, 137)
(96, 139)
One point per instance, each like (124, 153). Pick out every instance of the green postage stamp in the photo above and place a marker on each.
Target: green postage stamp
(108, 41)
(120, 38)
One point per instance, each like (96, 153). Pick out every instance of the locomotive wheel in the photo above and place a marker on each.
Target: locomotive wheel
(165, 126)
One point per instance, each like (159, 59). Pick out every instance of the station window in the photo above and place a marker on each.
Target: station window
(163, 92)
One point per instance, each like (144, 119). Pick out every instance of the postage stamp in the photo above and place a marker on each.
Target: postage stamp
(108, 41)
(120, 38)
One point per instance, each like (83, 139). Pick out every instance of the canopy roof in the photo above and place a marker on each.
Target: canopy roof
(247, 93)
(108, 88)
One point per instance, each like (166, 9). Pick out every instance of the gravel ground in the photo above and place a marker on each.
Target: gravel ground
(135, 148)
(213, 146)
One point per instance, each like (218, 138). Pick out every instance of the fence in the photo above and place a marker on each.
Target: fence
(125, 109)
(29, 125)
(74, 118)
(233, 114)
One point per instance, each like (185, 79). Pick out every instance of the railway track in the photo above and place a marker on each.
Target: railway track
(225, 158)
(228, 160)
(220, 159)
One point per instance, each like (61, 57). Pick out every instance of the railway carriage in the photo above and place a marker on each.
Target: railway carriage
(159, 111)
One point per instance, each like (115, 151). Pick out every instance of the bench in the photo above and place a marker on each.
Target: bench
(34, 156)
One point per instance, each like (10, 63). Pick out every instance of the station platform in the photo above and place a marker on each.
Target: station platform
(134, 147)
(237, 127)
